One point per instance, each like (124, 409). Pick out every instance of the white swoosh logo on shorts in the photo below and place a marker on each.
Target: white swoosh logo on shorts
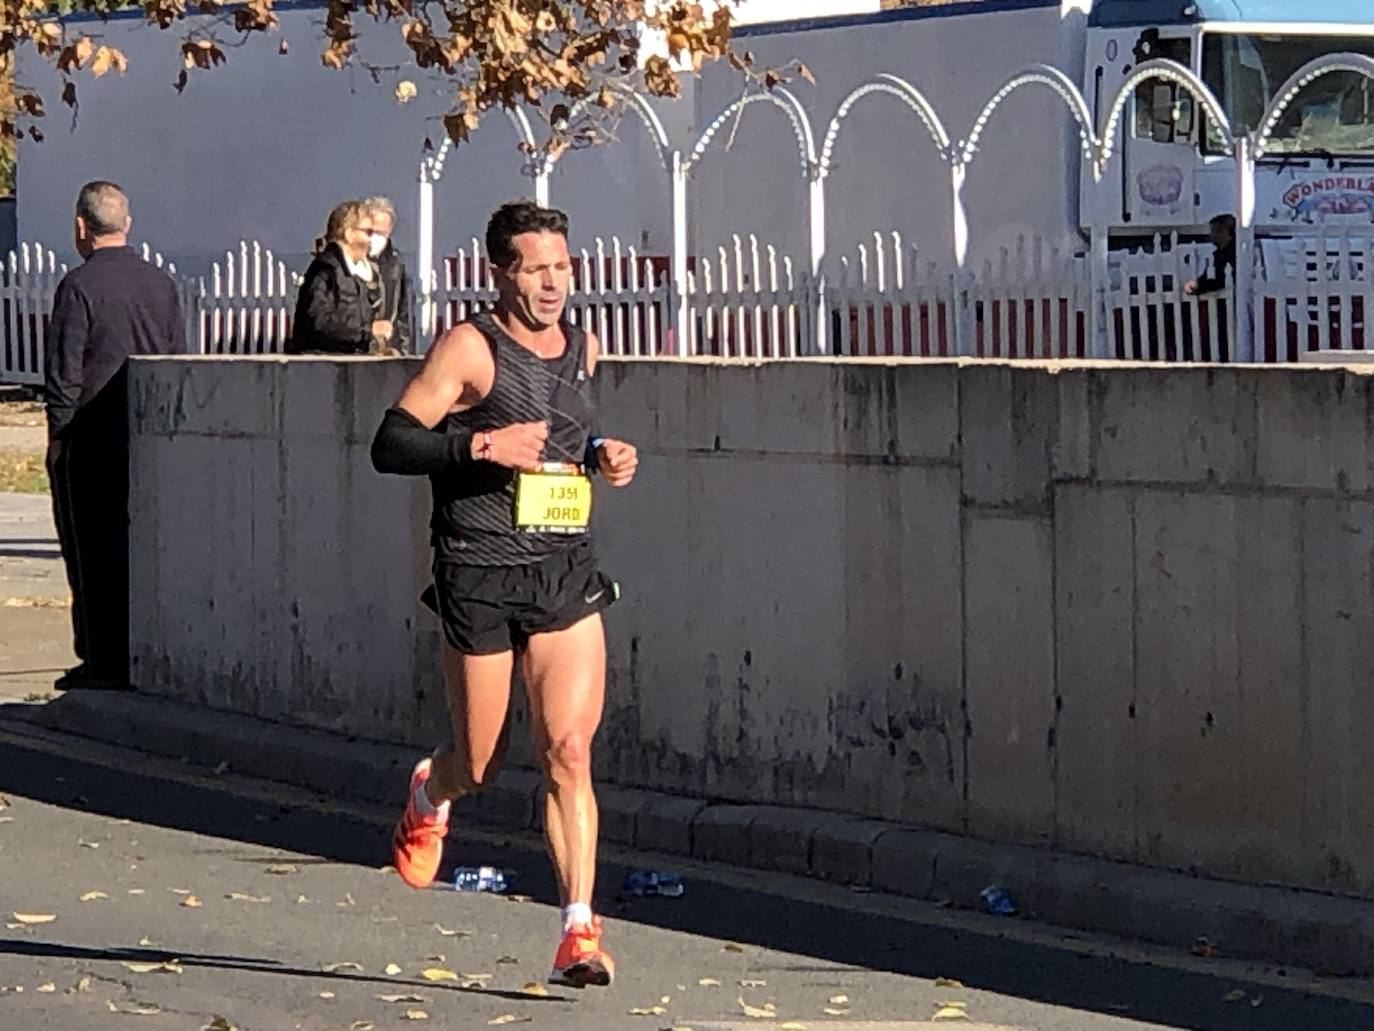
(592, 599)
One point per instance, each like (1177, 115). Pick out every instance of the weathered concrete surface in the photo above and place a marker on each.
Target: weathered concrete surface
(1120, 611)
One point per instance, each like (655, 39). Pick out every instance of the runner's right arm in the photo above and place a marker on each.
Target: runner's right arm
(407, 443)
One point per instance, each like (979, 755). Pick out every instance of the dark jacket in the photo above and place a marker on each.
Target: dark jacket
(396, 300)
(334, 309)
(112, 306)
(1223, 264)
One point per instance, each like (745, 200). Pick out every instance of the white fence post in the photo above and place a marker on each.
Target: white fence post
(680, 299)
(1242, 301)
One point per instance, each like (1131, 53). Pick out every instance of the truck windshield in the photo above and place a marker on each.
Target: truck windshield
(1332, 116)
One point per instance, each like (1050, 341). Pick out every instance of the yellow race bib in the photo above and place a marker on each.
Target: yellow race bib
(557, 500)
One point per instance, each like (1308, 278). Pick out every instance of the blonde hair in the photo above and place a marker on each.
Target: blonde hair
(345, 216)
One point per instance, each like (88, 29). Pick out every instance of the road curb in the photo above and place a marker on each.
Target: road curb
(1325, 933)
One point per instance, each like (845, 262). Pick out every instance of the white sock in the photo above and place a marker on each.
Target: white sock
(427, 809)
(577, 913)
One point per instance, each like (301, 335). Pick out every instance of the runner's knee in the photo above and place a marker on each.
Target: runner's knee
(568, 759)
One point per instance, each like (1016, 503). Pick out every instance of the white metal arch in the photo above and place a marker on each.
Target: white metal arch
(434, 166)
(648, 117)
(1034, 75)
(785, 102)
(893, 86)
(1300, 80)
(1169, 71)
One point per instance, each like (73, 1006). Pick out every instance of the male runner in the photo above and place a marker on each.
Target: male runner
(500, 420)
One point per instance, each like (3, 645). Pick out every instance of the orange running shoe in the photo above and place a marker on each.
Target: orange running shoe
(418, 843)
(581, 962)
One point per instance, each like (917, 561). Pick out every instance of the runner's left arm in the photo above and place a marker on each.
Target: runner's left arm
(616, 459)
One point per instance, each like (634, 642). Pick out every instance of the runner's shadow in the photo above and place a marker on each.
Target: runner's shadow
(57, 950)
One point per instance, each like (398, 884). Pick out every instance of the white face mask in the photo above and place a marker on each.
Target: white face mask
(376, 244)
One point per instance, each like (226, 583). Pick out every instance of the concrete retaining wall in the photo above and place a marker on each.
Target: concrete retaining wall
(1119, 611)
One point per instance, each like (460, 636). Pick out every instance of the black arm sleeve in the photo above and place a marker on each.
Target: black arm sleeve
(405, 446)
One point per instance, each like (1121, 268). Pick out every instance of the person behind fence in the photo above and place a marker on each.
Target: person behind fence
(112, 306)
(339, 307)
(1222, 230)
(394, 282)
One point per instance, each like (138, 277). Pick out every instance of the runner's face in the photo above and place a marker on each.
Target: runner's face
(537, 284)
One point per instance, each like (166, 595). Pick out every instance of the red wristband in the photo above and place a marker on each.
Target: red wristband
(484, 452)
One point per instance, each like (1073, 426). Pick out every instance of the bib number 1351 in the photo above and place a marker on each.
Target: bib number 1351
(553, 502)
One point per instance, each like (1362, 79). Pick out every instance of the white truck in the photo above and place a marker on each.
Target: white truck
(1168, 171)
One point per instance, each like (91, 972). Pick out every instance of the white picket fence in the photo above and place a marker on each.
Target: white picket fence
(746, 300)
(243, 308)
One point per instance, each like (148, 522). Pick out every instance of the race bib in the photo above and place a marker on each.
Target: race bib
(557, 500)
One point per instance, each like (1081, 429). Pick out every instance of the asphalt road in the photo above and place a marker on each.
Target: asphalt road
(299, 923)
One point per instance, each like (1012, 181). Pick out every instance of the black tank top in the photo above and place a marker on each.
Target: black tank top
(474, 508)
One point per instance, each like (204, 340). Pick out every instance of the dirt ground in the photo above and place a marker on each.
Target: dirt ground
(23, 441)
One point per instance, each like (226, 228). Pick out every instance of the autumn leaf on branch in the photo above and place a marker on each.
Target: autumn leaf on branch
(571, 59)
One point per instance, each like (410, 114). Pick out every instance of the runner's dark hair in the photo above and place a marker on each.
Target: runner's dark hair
(516, 217)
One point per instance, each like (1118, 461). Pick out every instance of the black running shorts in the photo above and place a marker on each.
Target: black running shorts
(491, 609)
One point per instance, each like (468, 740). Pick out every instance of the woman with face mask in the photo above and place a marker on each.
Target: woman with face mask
(338, 309)
(395, 302)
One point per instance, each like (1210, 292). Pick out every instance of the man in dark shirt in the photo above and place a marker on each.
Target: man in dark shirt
(1222, 230)
(112, 306)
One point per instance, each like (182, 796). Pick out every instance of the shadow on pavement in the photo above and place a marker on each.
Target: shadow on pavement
(57, 950)
(1111, 985)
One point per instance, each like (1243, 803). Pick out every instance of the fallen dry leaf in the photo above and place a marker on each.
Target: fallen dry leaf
(792, 1025)
(37, 603)
(180, 891)
(839, 1000)
(146, 942)
(326, 995)
(948, 982)
(1235, 995)
(348, 964)
(87, 844)
(190, 902)
(752, 982)
(831, 1011)
(138, 1009)
(708, 982)
(171, 966)
(507, 1018)
(438, 957)
(386, 869)
(34, 918)
(648, 1011)
(222, 768)
(347, 900)
(767, 1011)
(416, 1015)
(138, 891)
(402, 998)
(519, 898)
(949, 1013)
(1257, 1001)
(219, 1024)
(6, 819)
(534, 988)
(91, 896)
(438, 974)
(281, 869)
(506, 961)
(84, 985)
(392, 969)
(301, 900)
(452, 934)
(361, 1025)
(46, 988)
(732, 947)
(238, 896)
